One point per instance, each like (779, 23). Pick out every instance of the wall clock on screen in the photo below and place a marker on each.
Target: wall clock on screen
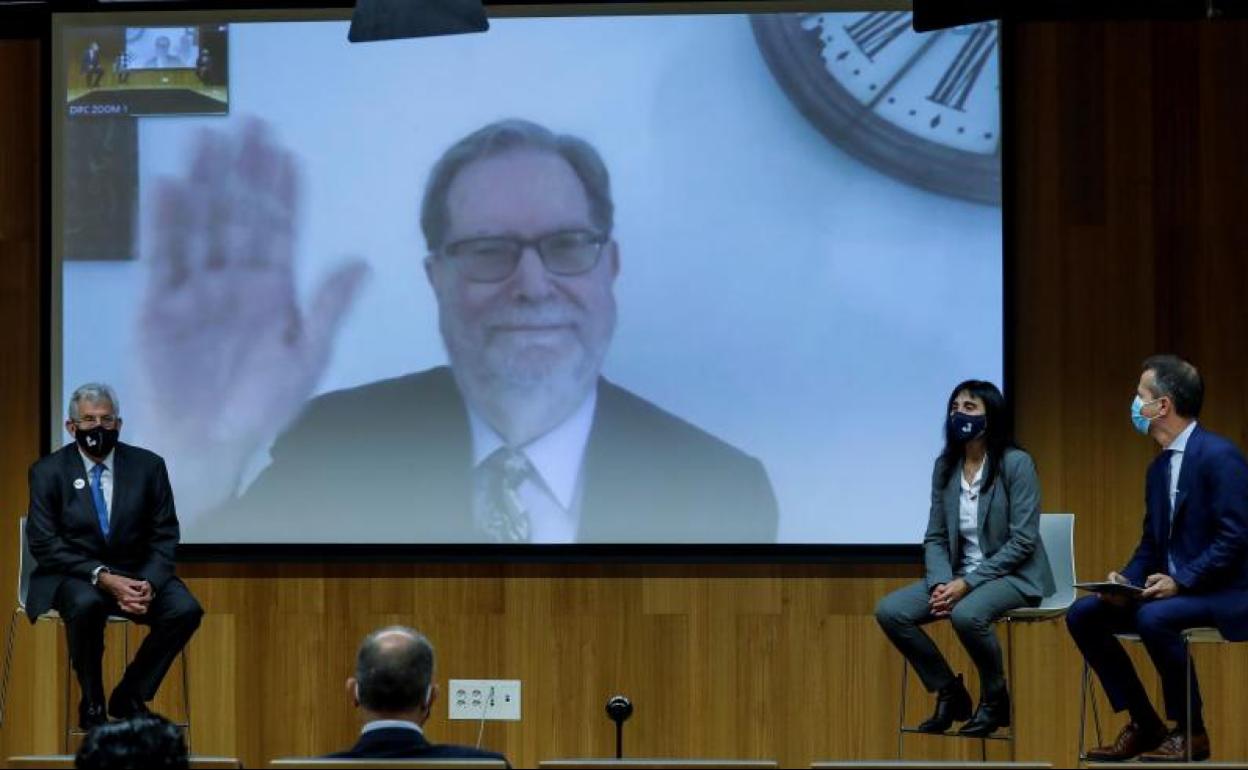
(924, 108)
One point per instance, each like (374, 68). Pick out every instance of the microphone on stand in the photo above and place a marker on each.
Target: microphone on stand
(619, 709)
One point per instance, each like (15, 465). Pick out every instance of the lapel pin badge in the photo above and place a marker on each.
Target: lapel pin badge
(79, 483)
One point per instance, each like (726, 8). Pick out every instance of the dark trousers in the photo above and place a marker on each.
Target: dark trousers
(172, 616)
(1160, 623)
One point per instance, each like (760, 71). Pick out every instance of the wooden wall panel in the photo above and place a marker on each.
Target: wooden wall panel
(1130, 238)
(20, 378)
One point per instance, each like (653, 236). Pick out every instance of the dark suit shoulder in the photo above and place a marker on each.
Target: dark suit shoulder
(377, 403)
(138, 455)
(1218, 445)
(452, 751)
(403, 743)
(69, 454)
(431, 383)
(630, 415)
(54, 461)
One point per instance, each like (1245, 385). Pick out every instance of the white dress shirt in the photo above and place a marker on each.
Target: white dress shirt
(553, 499)
(968, 521)
(1176, 448)
(388, 724)
(106, 477)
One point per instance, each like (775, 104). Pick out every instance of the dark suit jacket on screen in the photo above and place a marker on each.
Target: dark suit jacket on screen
(1209, 534)
(403, 743)
(64, 531)
(391, 462)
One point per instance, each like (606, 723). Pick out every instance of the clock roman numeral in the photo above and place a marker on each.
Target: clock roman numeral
(956, 84)
(874, 31)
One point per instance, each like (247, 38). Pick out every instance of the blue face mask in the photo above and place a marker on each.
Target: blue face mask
(1138, 419)
(967, 427)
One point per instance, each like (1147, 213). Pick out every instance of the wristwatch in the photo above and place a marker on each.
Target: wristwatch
(95, 574)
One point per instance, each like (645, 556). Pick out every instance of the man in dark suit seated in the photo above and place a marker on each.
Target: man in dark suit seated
(103, 530)
(1190, 561)
(394, 690)
(521, 439)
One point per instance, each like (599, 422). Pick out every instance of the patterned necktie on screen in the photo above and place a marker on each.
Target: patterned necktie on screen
(504, 515)
(97, 497)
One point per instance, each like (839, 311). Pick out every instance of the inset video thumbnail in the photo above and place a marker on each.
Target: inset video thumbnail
(136, 71)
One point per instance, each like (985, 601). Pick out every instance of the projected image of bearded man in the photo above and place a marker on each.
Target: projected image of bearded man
(523, 272)
(520, 439)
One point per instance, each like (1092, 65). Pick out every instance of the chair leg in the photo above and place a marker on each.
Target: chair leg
(8, 664)
(1009, 652)
(69, 675)
(901, 717)
(1187, 669)
(186, 699)
(1083, 710)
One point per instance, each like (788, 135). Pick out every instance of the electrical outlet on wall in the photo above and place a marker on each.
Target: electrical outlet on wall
(491, 699)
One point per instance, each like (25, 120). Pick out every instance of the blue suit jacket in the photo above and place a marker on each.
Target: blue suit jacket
(1208, 538)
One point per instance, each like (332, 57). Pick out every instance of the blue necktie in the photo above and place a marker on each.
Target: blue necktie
(1166, 458)
(97, 496)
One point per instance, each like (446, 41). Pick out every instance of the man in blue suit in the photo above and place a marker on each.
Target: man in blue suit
(1190, 562)
(393, 687)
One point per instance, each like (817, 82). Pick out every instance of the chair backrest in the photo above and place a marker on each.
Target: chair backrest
(1057, 533)
(25, 565)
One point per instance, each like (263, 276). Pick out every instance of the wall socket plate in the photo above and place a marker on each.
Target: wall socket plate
(495, 699)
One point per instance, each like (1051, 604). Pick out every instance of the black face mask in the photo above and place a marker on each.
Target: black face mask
(97, 441)
(967, 427)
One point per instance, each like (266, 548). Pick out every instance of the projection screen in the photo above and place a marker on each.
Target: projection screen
(677, 278)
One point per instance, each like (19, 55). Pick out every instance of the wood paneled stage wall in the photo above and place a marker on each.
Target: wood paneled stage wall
(1129, 181)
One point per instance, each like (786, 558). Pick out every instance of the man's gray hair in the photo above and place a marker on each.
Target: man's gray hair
(92, 393)
(498, 138)
(394, 670)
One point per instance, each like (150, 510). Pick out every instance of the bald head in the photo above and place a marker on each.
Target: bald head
(394, 670)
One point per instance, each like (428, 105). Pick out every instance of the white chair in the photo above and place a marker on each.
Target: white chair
(1057, 533)
(25, 569)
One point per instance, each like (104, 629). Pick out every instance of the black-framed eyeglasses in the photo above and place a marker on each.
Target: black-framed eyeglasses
(493, 259)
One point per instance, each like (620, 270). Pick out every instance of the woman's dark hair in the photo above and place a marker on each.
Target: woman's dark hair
(998, 434)
(146, 741)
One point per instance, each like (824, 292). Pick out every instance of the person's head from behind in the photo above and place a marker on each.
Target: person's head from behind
(145, 741)
(394, 676)
(162, 45)
(1168, 396)
(93, 418)
(518, 224)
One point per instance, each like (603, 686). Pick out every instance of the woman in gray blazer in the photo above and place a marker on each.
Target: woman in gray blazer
(983, 557)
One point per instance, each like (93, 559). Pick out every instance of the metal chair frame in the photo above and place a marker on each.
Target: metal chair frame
(26, 567)
(1190, 636)
(1060, 530)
